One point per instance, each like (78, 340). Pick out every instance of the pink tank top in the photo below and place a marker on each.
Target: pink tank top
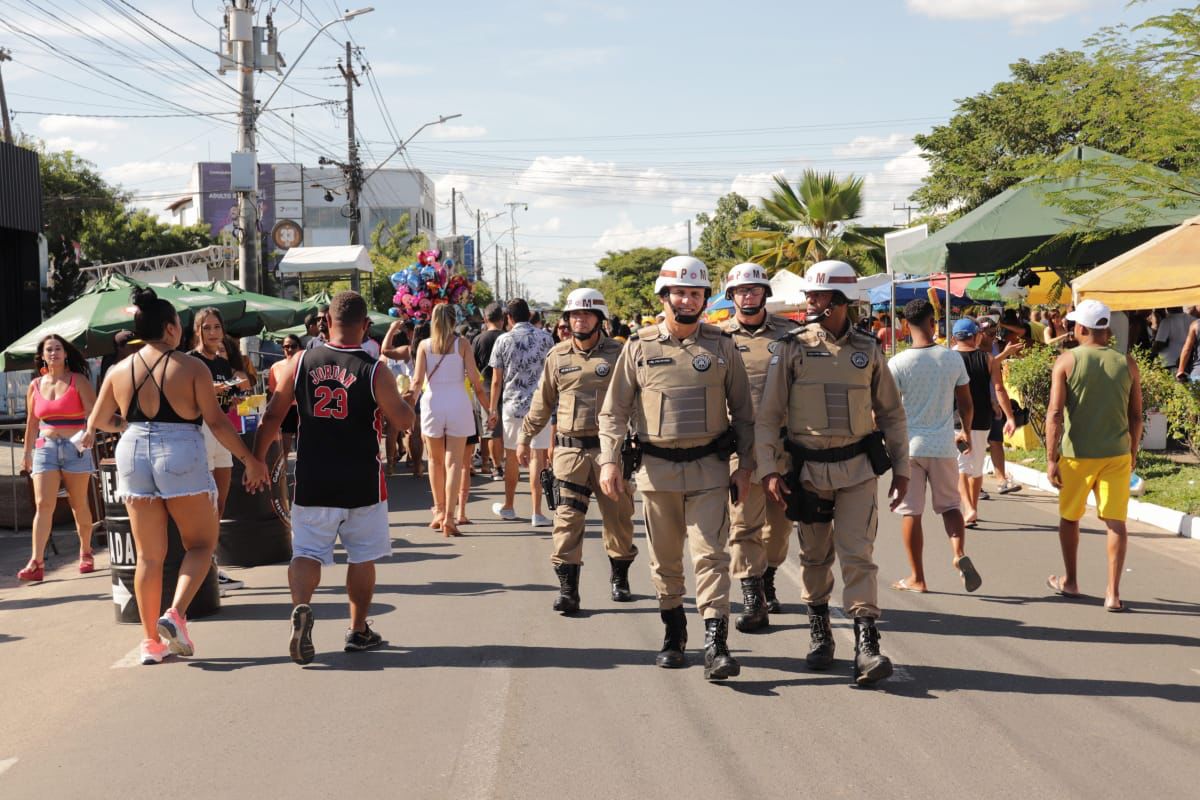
(65, 412)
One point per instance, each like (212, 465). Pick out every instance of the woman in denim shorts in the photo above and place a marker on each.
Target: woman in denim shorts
(57, 407)
(162, 468)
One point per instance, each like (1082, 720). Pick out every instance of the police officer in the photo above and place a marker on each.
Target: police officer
(574, 382)
(758, 530)
(682, 382)
(831, 387)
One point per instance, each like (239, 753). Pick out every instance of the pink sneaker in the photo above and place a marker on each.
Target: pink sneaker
(173, 627)
(153, 651)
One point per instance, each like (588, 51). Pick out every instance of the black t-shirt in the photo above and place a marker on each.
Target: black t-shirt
(221, 370)
(980, 375)
(337, 444)
(482, 347)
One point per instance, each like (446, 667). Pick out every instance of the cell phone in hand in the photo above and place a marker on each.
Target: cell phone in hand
(733, 493)
(961, 445)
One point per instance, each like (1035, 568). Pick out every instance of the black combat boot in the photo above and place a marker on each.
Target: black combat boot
(754, 607)
(568, 588)
(773, 604)
(870, 666)
(718, 663)
(675, 641)
(821, 647)
(620, 580)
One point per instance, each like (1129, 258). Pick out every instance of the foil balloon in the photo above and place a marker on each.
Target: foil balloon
(393, 312)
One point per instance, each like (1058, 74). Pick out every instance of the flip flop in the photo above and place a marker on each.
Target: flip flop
(970, 576)
(972, 524)
(1121, 609)
(1055, 582)
(902, 586)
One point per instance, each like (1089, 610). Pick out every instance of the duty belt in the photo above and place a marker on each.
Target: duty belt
(827, 455)
(582, 442)
(680, 455)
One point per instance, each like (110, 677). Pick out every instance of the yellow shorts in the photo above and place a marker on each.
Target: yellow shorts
(1107, 477)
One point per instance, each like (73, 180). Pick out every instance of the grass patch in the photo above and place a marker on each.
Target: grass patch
(1168, 484)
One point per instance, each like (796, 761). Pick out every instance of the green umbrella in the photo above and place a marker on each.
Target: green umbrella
(105, 308)
(262, 311)
(379, 322)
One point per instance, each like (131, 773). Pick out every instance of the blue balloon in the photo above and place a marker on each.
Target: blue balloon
(393, 312)
(414, 281)
(397, 279)
(428, 274)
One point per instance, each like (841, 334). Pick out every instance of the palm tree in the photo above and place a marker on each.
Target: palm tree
(815, 217)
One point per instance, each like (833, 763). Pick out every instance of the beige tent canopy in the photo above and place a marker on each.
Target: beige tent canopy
(1160, 273)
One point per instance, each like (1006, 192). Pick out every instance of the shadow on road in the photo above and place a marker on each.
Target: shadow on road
(974, 626)
(6, 637)
(12, 604)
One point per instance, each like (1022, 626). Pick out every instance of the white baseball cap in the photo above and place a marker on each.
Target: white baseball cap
(1091, 314)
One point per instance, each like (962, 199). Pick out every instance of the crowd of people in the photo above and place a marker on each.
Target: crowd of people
(734, 435)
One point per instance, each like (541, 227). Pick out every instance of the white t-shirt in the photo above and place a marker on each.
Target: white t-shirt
(926, 378)
(372, 347)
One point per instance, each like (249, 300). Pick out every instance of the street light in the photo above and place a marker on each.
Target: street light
(404, 144)
(349, 15)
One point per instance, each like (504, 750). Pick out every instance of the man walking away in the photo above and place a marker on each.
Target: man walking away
(980, 375)
(492, 445)
(1096, 411)
(516, 362)
(341, 393)
(931, 379)
(1001, 408)
(1171, 335)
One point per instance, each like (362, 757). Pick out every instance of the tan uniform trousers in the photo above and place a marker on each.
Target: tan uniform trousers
(852, 536)
(700, 519)
(758, 534)
(579, 466)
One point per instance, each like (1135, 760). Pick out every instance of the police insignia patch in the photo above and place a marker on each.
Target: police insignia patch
(602, 369)
(859, 359)
(701, 363)
(773, 347)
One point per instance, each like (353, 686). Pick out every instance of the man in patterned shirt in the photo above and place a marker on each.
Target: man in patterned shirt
(517, 362)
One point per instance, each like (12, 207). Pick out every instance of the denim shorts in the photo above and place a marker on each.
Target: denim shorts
(163, 460)
(52, 453)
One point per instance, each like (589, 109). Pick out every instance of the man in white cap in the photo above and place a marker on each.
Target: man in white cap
(1096, 411)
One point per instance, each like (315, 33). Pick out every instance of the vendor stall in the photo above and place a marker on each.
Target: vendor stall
(1161, 273)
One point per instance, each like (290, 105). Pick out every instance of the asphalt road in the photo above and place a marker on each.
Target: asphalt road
(484, 692)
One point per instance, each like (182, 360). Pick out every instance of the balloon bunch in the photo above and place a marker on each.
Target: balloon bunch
(426, 284)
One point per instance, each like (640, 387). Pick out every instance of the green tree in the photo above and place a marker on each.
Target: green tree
(812, 223)
(121, 235)
(720, 246)
(627, 280)
(393, 248)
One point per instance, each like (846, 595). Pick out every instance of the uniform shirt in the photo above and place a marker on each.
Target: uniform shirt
(926, 378)
(680, 364)
(851, 355)
(337, 443)
(520, 353)
(756, 348)
(573, 384)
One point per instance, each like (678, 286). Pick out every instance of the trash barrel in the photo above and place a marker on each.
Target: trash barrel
(122, 559)
(257, 528)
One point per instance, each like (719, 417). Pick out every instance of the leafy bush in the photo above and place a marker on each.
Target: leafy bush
(1029, 375)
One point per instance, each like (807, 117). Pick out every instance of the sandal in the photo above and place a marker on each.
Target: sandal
(1056, 584)
(970, 576)
(34, 571)
(87, 563)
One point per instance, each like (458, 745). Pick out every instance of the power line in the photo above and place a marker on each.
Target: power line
(154, 116)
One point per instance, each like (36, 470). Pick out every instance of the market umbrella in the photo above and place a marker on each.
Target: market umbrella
(881, 296)
(719, 310)
(1161, 273)
(262, 311)
(1006, 229)
(989, 288)
(379, 326)
(105, 308)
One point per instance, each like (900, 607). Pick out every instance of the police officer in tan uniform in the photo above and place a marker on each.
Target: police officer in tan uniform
(683, 385)
(832, 389)
(758, 530)
(574, 382)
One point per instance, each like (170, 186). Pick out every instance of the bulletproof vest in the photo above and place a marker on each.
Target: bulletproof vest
(758, 347)
(682, 386)
(582, 382)
(831, 385)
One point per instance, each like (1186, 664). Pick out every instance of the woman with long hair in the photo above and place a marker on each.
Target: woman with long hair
(57, 408)
(163, 397)
(447, 418)
(291, 346)
(209, 328)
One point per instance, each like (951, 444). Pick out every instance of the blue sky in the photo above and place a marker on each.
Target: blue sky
(614, 122)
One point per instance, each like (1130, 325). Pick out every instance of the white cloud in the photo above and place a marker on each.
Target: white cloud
(1018, 12)
(57, 124)
(756, 185)
(457, 131)
(551, 225)
(563, 59)
(396, 69)
(866, 146)
(883, 191)
(132, 173)
(81, 146)
(625, 236)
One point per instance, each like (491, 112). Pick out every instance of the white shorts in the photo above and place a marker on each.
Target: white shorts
(512, 434)
(971, 464)
(218, 456)
(940, 475)
(364, 532)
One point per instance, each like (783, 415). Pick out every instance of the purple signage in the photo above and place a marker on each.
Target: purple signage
(218, 205)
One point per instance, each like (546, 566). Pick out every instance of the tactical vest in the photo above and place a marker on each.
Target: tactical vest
(582, 382)
(831, 384)
(682, 386)
(756, 350)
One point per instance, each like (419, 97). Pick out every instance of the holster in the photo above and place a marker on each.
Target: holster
(802, 505)
(571, 502)
(631, 456)
(727, 444)
(877, 453)
(546, 477)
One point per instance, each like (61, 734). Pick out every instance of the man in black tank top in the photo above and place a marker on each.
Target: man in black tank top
(342, 396)
(982, 376)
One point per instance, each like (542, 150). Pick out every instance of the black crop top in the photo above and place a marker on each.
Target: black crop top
(165, 411)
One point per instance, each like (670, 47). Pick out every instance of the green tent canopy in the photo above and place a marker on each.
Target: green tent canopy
(105, 308)
(1006, 229)
(262, 312)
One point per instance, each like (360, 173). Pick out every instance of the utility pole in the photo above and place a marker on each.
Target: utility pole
(478, 242)
(689, 222)
(5, 56)
(241, 35)
(354, 176)
(907, 208)
(453, 211)
(507, 278)
(512, 212)
(496, 287)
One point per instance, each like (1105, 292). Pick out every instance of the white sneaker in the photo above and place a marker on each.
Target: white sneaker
(227, 583)
(1008, 486)
(538, 521)
(503, 513)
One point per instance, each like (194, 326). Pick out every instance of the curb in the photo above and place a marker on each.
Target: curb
(1167, 519)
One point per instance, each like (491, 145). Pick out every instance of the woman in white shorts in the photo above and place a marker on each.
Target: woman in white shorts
(447, 418)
